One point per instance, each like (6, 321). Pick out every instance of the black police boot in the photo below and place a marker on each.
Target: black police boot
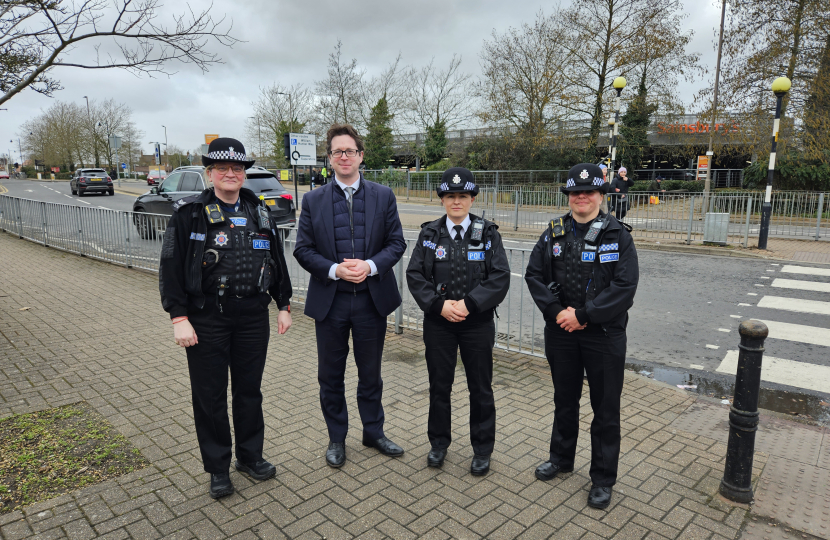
(220, 485)
(384, 446)
(261, 470)
(436, 457)
(548, 470)
(599, 497)
(336, 454)
(480, 465)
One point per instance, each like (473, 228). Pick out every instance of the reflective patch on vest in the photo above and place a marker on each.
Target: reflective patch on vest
(197, 236)
(261, 244)
(488, 245)
(440, 253)
(608, 257)
(239, 221)
(557, 250)
(475, 255)
(428, 244)
(221, 239)
(608, 247)
(589, 247)
(588, 256)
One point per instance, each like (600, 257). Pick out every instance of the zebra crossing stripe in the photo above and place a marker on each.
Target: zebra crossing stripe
(798, 332)
(781, 371)
(792, 269)
(801, 285)
(795, 304)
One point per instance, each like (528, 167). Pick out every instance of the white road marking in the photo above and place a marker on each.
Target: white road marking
(715, 347)
(764, 277)
(751, 294)
(795, 304)
(695, 366)
(758, 285)
(724, 330)
(791, 269)
(735, 316)
(813, 335)
(782, 371)
(770, 270)
(801, 285)
(744, 304)
(773, 264)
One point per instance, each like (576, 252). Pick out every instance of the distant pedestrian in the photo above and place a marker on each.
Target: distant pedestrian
(620, 185)
(656, 185)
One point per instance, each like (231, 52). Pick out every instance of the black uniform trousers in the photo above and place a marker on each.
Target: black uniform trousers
(442, 341)
(602, 357)
(355, 312)
(236, 338)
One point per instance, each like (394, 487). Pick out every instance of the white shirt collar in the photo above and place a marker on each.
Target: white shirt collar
(343, 186)
(464, 225)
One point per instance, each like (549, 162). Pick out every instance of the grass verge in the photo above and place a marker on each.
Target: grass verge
(49, 453)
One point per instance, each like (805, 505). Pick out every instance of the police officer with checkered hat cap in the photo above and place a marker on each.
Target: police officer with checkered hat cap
(583, 275)
(221, 264)
(458, 273)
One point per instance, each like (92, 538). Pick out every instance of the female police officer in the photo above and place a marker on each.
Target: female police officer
(458, 274)
(221, 263)
(583, 275)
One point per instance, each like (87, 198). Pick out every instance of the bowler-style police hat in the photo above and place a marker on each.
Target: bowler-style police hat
(457, 180)
(585, 177)
(225, 149)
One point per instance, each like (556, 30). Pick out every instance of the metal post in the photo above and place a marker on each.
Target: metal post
(399, 311)
(748, 213)
(296, 189)
(516, 195)
(497, 179)
(495, 196)
(818, 214)
(691, 216)
(408, 184)
(127, 251)
(45, 224)
(743, 415)
(80, 232)
(766, 209)
(19, 219)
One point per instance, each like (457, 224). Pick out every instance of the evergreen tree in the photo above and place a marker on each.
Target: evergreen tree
(379, 140)
(435, 145)
(634, 144)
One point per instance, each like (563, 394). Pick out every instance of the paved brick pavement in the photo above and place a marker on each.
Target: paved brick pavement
(96, 332)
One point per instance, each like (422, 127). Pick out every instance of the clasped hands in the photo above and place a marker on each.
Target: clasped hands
(353, 270)
(454, 310)
(567, 320)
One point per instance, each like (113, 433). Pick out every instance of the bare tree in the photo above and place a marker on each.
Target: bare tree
(278, 110)
(439, 96)
(37, 36)
(339, 94)
(392, 84)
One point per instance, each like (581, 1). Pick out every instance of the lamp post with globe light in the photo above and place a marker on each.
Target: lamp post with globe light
(618, 84)
(780, 87)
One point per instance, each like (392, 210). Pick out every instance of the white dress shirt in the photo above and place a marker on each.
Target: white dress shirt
(464, 225)
(372, 267)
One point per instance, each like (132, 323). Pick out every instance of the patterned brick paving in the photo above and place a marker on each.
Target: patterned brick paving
(96, 332)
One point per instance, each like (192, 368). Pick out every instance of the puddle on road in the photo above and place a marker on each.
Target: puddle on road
(722, 387)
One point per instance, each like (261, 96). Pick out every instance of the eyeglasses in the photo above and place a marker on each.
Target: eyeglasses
(223, 169)
(351, 152)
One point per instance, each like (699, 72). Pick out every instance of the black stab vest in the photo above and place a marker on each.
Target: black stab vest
(459, 268)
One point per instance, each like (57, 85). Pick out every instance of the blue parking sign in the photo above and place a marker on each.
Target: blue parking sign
(294, 142)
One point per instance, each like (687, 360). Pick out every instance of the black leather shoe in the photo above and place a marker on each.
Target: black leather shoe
(480, 465)
(261, 470)
(436, 457)
(599, 497)
(547, 470)
(336, 454)
(384, 446)
(220, 485)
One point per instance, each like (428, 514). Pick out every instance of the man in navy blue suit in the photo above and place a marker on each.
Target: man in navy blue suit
(349, 238)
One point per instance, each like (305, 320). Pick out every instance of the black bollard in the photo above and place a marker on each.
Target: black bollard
(743, 415)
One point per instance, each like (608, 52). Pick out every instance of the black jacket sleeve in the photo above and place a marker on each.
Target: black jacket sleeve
(537, 282)
(420, 286)
(172, 263)
(492, 290)
(281, 290)
(618, 297)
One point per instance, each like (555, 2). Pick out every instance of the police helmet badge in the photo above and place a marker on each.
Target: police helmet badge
(557, 249)
(456, 179)
(584, 174)
(221, 239)
(440, 253)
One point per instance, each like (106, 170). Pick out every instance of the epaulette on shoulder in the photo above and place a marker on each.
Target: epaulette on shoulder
(184, 201)
(425, 223)
(626, 226)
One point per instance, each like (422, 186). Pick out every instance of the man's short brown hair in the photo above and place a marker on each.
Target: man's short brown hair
(343, 129)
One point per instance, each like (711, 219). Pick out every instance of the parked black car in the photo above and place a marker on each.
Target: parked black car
(90, 181)
(191, 180)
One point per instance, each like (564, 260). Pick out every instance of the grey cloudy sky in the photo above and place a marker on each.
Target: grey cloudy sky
(289, 42)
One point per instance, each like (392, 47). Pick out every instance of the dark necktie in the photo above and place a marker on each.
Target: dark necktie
(349, 194)
(458, 235)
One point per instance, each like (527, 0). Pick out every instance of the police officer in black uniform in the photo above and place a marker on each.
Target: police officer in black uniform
(583, 275)
(221, 263)
(458, 273)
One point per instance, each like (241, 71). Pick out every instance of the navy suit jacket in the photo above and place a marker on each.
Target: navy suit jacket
(316, 252)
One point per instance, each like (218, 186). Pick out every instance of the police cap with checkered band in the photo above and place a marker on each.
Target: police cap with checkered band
(457, 180)
(585, 177)
(226, 150)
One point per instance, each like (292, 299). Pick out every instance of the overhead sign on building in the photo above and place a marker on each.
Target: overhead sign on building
(303, 147)
(210, 138)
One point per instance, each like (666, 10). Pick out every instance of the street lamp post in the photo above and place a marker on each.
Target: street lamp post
(290, 129)
(166, 155)
(780, 87)
(710, 153)
(618, 84)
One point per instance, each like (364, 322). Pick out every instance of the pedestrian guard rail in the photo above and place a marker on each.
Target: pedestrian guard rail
(134, 240)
